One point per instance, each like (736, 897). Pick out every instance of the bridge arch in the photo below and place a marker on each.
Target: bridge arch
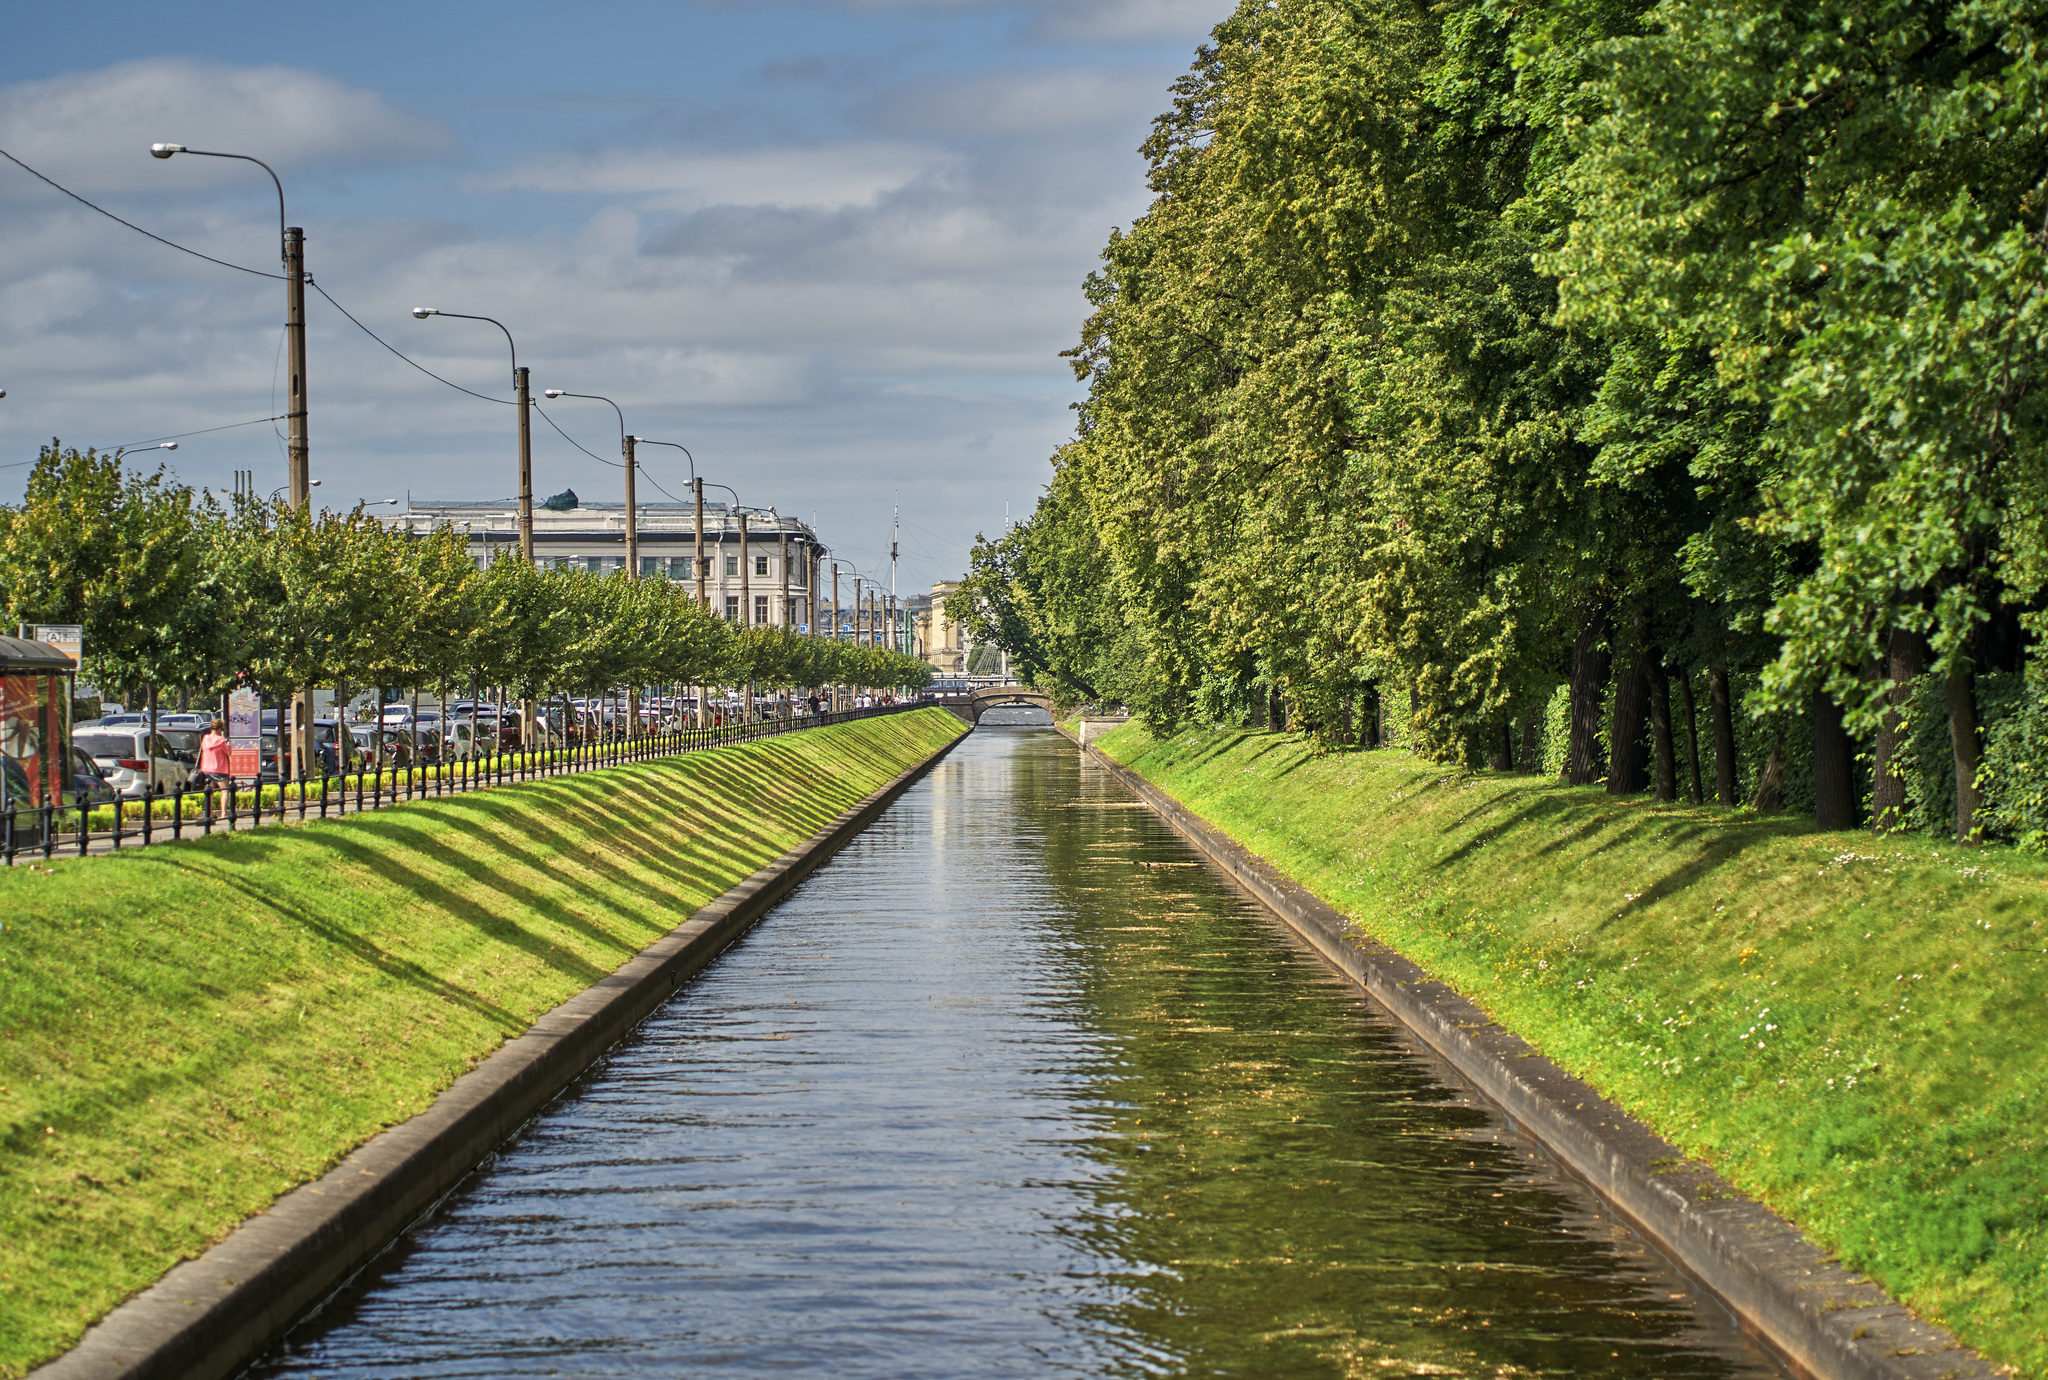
(972, 705)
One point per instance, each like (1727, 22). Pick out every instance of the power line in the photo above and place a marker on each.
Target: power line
(615, 464)
(400, 353)
(255, 421)
(239, 268)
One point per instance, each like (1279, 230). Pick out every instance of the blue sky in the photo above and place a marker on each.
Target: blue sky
(833, 247)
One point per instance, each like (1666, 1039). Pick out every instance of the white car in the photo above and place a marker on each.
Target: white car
(124, 754)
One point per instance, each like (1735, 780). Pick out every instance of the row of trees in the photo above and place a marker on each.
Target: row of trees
(180, 592)
(1471, 354)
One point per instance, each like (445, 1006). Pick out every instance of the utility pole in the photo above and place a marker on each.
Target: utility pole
(785, 577)
(746, 608)
(295, 348)
(525, 463)
(632, 515)
(835, 625)
(299, 761)
(703, 599)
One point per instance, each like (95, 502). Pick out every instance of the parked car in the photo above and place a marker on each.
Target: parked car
(124, 756)
(185, 744)
(88, 780)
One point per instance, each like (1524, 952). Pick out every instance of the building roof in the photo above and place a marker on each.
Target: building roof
(497, 520)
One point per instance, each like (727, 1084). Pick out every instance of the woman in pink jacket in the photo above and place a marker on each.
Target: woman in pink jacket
(213, 757)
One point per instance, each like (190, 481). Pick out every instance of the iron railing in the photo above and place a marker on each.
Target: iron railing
(78, 830)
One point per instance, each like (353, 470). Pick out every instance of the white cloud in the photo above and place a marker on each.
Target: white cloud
(1033, 104)
(1098, 21)
(97, 127)
(844, 174)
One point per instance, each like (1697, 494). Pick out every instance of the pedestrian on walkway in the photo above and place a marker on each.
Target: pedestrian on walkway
(213, 758)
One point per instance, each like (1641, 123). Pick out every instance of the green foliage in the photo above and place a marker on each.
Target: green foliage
(1458, 336)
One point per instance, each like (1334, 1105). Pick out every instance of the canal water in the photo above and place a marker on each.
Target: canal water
(1017, 1086)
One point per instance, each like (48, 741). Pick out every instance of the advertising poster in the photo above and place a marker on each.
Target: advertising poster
(245, 733)
(32, 741)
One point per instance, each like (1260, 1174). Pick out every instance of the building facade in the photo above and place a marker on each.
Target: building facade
(592, 537)
(944, 642)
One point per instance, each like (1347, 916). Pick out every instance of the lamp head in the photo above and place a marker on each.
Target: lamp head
(312, 483)
(424, 312)
(169, 445)
(551, 392)
(165, 150)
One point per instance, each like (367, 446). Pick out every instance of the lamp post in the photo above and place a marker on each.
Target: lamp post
(696, 483)
(313, 484)
(293, 242)
(525, 425)
(626, 450)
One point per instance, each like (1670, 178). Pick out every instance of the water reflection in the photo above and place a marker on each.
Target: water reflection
(1016, 1086)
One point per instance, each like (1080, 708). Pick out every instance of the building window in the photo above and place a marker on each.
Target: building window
(732, 565)
(594, 564)
(732, 608)
(679, 567)
(760, 565)
(798, 572)
(761, 609)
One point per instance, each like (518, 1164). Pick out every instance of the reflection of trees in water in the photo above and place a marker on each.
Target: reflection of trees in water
(1290, 1192)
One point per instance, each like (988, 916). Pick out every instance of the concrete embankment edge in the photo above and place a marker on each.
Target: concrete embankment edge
(212, 1316)
(1822, 1319)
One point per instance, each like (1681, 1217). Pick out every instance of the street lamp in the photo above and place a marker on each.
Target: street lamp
(275, 492)
(130, 450)
(703, 599)
(293, 239)
(625, 449)
(525, 425)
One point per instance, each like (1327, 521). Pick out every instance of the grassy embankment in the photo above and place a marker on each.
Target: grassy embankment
(189, 1031)
(1852, 1029)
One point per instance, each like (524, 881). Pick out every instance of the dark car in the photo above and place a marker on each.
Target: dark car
(88, 780)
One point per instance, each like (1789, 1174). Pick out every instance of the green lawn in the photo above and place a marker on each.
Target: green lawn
(1853, 1029)
(189, 1031)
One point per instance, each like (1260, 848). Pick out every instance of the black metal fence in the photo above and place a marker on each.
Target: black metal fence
(48, 831)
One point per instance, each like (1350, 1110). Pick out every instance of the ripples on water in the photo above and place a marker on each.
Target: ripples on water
(1015, 1086)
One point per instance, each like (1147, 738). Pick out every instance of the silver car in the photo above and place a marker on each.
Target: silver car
(124, 756)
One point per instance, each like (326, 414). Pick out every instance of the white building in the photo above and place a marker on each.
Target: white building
(592, 536)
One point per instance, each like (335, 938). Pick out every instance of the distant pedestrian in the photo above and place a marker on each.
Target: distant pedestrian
(214, 761)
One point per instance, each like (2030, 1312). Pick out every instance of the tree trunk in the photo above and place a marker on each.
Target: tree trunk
(1905, 659)
(1259, 709)
(1660, 732)
(1692, 736)
(1277, 712)
(1834, 792)
(1502, 758)
(1722, 722)
(1583, 764)
(1962, 736)
(1375, 734)
(1770, 786)
(1627, 773)
(1530, 758)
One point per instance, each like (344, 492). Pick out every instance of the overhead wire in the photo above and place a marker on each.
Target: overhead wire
(243, 268)
(395, 350)
(239, 268)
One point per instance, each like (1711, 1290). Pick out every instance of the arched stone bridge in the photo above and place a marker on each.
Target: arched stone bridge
(972, 704)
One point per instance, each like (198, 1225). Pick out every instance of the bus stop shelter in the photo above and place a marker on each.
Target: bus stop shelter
(35, 725)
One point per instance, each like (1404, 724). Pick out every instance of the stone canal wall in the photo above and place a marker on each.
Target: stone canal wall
(558, 874)
(1823, 1318)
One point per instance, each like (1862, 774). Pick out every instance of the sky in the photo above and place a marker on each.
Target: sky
(834, 247)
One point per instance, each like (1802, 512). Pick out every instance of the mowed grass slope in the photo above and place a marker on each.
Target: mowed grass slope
(189, 1031)
(1852, 1029)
